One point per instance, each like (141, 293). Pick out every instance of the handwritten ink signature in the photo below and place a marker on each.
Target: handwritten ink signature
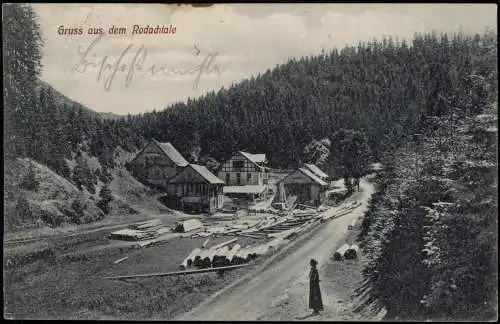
(136, 68)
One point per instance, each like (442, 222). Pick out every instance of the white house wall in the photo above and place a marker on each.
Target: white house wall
(250, 174)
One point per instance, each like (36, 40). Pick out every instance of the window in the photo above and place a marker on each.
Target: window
(249, 176)
(238, 164)
(227, 177)
(238, 178)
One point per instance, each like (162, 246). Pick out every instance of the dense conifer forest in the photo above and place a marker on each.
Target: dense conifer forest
(426, 108)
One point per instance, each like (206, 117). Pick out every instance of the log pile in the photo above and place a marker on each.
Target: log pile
(347, 252)
(222, 255)
(352, 252)
(339, 254)
(188, 261)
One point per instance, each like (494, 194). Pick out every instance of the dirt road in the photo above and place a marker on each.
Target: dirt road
(280, 292)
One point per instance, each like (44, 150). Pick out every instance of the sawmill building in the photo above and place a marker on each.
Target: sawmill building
(195, 188)
(156, 163)
(304, 184)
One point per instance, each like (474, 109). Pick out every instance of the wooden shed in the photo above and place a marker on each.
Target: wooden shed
(304, 184)
(196, 188)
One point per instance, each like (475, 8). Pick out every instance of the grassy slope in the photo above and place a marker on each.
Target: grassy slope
(131, 199)
(54, 195)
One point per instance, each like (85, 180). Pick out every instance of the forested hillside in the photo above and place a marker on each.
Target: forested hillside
(84, 148)
(382, 89)
(431, 233)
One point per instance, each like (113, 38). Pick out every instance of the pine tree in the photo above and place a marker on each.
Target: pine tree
(105, 199)
(22, 44)
(29, 180)
(351, 155)
(78, 208)
(23, 210)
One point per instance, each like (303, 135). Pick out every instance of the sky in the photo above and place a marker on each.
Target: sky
(213, 47)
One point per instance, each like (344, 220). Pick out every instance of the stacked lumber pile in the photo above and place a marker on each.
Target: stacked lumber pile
(304, 213)
(153, 227)
(146, 230)
(222, 216)
(284, 227)
(188, 226)
(232, 229)
(343, 211)
(131, 235)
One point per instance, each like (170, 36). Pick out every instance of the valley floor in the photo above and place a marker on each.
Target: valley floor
(70, 284)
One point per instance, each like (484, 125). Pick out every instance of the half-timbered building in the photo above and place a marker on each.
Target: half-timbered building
(245, 174)
(196, 188)
(156, 163)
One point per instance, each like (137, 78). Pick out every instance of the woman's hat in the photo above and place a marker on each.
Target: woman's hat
(313, 262)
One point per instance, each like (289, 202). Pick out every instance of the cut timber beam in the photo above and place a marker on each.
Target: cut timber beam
(120, 260)
(251, 236)
(218, 246)
(177, 273)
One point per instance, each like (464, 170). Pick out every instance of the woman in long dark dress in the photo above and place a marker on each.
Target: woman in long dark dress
(315, 301)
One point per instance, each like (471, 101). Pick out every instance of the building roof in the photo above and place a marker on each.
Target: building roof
(309, 174)
(206, 174)
(172, 153)
(316, 170)
(313, 176)
(248, 189)
(255, 158)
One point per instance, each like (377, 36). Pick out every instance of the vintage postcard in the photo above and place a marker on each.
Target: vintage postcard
(250, 162)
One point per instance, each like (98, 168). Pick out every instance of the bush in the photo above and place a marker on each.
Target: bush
(23, 209)
(17, 260)
(87, 219)
(105, 176)
(78, 211)
(29, 181)
(51, 219)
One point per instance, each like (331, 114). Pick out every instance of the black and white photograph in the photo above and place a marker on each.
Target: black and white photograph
(250, 161)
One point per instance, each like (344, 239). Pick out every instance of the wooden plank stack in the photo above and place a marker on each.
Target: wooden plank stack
(151, 228)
